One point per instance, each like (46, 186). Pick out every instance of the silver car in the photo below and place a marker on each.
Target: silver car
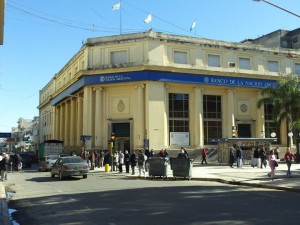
(69, 166)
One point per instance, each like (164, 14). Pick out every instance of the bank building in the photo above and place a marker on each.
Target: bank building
(158, 90)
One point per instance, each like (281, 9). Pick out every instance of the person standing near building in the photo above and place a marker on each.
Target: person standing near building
(133, 160)
(276, 153)
(272, 161)
(231, 157)
(141, 163)
(288, 157)
(127, 161)
(121, 161)
(255, 157)
(239, 157)
(4, 167)
(204, 155)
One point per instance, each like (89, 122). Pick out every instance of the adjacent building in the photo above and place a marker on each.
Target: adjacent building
(159, 91)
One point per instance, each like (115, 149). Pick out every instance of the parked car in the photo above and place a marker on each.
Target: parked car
(46, 162)
(69, 166)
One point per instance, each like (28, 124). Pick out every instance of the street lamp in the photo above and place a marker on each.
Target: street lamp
(277, 7)
(273, 134)
(112, 140)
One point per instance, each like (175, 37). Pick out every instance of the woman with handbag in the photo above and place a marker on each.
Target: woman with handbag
(272, 163)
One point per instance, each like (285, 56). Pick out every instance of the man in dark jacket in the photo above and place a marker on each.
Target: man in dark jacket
(4, 167)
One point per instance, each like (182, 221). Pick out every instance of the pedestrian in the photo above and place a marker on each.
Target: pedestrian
(231, 157)
(4, 167)
(115, 161)
(101, 158)
(148, 155)
(272, 162)
(288, 157)
(121, 161)
(161, 153)
(255, 157)
(166, 154)
(239, 157)
(151, 153)
(182, 154)
(141, 163)
(204, 155)
(133, 161)
(263, 158)
(127, 161)
(276, 153)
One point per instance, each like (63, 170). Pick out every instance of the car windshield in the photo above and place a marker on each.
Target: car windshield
(73, 160)
(53, 157)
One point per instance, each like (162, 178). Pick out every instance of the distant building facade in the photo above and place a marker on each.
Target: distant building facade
(159, 91)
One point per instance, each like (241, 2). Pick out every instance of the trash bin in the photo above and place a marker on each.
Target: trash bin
(158, 167)
(181, 167)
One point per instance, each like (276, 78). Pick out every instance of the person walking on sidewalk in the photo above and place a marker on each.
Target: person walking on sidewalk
(121, 161)
(133, 161)
(231, 157)
(288, 157)
(239, 157)
(4, 167)
(204, 155)
(272, 161)
(263, 158)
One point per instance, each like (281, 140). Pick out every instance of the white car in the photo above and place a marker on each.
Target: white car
(46, 162)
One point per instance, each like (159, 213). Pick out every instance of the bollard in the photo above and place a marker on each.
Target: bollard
(107, 168)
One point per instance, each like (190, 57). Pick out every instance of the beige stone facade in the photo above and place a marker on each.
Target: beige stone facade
(125, 84)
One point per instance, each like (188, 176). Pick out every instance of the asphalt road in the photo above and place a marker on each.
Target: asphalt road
(117, 200)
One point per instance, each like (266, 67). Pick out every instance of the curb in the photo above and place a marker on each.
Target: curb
(4, 215)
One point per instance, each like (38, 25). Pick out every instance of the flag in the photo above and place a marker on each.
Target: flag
(148, 19)
(193, 25)
(116, 6)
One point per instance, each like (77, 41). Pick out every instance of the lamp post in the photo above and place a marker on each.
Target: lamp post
(277, 7)
(112, 140)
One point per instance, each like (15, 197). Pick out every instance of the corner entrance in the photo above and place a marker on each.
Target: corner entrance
(122, 132)
(244, 130)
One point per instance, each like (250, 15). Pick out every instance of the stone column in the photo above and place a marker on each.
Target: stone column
(230, 112)
(198, 109)
(67, 124)
(72, 122)
(97, 136)
(61, 122)
(79, 120)
(260, 119)
(139, 125)
(87, 114)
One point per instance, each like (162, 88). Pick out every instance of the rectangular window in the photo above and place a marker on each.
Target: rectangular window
(212, 118)
(178, 112)
(213, 60)
(297, 68)
(273, 66)
(245, 63)
(180, 57)
(118, 57)
(270, 126)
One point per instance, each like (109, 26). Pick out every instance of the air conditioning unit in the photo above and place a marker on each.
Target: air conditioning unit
(231, 64)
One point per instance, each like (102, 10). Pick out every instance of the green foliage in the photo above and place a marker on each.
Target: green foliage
(285, 98)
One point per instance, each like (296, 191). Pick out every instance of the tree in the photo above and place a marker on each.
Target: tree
(285, 98)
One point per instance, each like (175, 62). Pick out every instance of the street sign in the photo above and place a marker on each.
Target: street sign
(5, 135)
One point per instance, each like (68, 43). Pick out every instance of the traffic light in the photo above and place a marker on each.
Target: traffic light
(113, 136)
(234, 133)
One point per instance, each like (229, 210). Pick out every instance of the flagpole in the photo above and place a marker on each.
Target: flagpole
(120, 17)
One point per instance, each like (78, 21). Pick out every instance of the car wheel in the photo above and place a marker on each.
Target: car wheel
(84, 176)
(60, 176)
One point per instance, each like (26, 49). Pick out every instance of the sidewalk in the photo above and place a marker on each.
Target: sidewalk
(247, 176)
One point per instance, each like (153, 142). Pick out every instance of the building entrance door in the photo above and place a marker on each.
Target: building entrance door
(122, 132)
(244, 130)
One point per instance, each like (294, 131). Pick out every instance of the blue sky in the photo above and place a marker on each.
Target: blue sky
(40, 36)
